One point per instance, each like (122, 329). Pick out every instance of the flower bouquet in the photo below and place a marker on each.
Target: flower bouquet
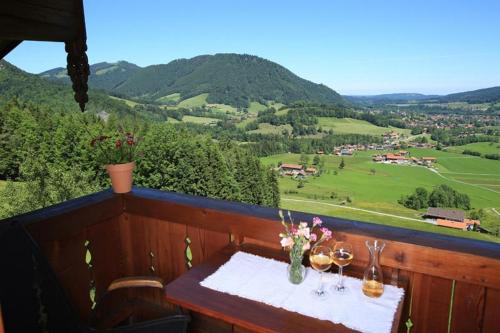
(297, 239)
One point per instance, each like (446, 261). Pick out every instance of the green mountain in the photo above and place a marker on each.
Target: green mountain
(103, 75)
(232, 79)
(16, 83)
(487, 95)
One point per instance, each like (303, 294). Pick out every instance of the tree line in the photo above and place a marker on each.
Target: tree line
(46, 158)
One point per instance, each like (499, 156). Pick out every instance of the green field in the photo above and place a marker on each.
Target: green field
(172, 98)
(255, 107)
(2, 184)
(196, 101)
(199, 120)
(266, 128)
(127, 101)
(356, 126)
(379, 192)
(480, 147)
(224, 108)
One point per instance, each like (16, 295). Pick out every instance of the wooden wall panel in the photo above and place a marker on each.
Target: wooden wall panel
(107, 259)
(136, 245)
(164, 252)
(67, 258)
(491, 320)
(468, 308)
(204, 243)
(177, 236)
(430, 303)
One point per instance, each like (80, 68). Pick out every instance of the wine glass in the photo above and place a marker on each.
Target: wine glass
(320, 258)
(342, 255)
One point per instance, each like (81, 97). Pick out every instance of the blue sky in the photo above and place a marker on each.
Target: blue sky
(353, 46)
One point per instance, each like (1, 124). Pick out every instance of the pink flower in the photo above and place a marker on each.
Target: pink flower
(327, 234)
(317, 221)
(306, 232)
(313, 237)
(287, 242)
(302, 225)
(293, 230)
(306, 246)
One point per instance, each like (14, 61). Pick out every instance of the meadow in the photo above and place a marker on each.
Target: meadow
(199, 120)
(193, 102)
(266, 128)
(356, 126)
(376, 188)
(480, 147)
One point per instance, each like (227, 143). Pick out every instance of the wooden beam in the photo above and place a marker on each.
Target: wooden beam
(39, 20)
(6, 46)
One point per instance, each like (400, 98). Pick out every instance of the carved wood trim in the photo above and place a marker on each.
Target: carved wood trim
(78, 69)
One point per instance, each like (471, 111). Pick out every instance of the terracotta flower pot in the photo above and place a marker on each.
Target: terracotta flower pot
(121, 176)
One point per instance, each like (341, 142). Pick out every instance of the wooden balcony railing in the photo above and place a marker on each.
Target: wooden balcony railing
(454, 283)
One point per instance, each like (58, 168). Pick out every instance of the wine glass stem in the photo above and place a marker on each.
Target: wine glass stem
(320, 286)
(341, 280)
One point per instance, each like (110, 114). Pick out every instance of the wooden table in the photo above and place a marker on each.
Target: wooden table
(240, 314)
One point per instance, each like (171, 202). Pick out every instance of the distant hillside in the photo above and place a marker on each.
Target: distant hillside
(487, 95)
(227, 78)
(389, 98)
(103, 75)
(16, 83)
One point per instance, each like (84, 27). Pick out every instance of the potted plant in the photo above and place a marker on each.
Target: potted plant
(297, 239)
(118, 153)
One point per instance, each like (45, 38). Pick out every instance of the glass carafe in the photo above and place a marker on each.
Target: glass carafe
(373, 280)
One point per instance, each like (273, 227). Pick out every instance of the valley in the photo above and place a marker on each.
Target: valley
(376, 188)
(252, 107)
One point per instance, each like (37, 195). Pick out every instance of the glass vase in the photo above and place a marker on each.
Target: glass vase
(373, 279)
(296, 271)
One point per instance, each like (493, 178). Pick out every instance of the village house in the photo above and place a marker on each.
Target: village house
(346, 152)
(391, 136)
(429, 160)
(450, 218)
(400, 158)
(290, 169)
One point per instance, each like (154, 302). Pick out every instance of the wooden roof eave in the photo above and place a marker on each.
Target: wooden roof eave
(49, 20)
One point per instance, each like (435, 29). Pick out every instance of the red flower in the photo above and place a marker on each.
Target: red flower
(118, 143)
(130, 141)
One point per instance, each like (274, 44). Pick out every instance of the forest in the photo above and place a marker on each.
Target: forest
(46, 157)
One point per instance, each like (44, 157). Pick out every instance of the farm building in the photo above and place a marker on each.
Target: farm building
(400, 158)
(285, 167)
(435, 213)
(429, 160)
(450, 218)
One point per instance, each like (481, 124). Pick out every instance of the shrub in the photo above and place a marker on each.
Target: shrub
(471, 152)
